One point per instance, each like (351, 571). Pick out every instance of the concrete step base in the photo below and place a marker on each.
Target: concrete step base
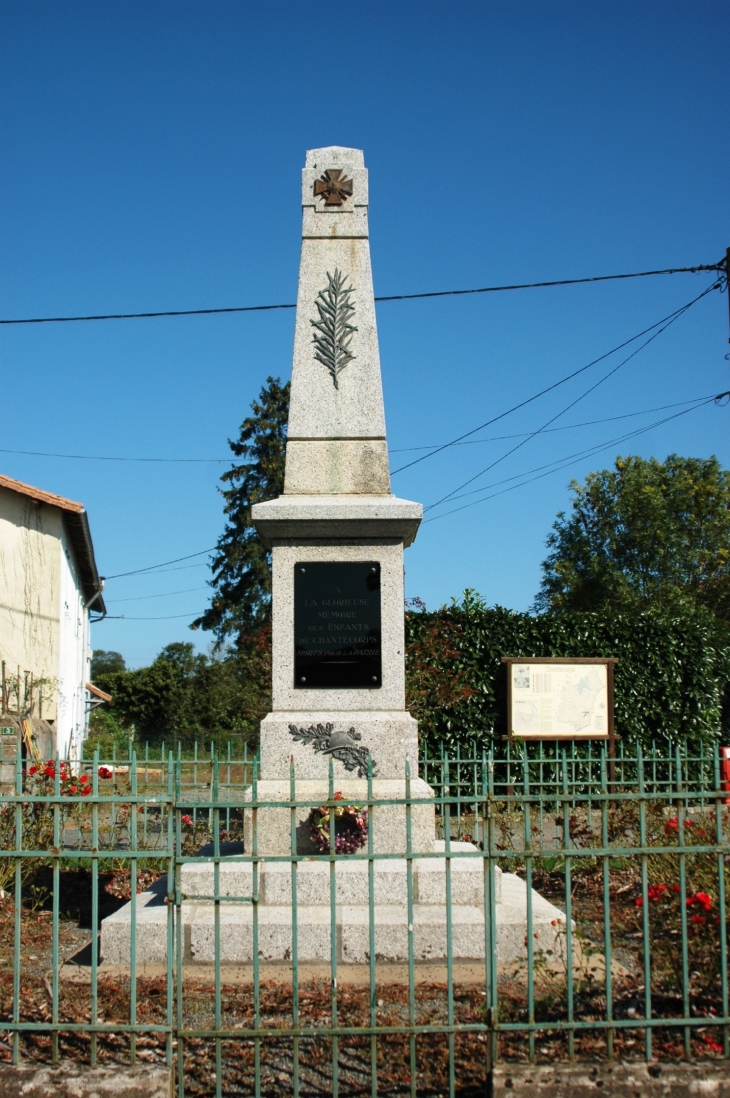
(352, 879)
(314, 923)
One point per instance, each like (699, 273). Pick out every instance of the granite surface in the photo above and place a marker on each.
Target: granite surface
(390, 736)
(337, 467)
(391, 694)
(353, 518)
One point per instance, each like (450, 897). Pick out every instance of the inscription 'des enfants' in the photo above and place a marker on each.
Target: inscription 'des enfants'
(337, 637)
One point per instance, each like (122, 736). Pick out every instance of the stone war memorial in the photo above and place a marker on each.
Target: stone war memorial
(339, 732)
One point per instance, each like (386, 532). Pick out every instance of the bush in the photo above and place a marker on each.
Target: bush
(672, 679)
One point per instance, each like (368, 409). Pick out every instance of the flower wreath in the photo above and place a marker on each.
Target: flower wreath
(351, 827)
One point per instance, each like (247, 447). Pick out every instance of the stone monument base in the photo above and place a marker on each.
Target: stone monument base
(387, 822)
(352, 918)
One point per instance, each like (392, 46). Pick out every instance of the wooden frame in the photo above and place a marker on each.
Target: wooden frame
(608, 661)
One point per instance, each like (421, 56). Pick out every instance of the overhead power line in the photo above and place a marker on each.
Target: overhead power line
(98, 457)
(562, 463)
(161, 595)
(153, 567)
(614, 369)
(553, 430)
(390, 297)
(399, 450)
(556, 384)
(163, 617)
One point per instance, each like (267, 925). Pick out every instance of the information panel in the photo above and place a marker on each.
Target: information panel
(560, 699)
(337, 636)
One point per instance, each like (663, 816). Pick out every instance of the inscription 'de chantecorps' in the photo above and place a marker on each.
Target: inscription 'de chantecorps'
(337, 633)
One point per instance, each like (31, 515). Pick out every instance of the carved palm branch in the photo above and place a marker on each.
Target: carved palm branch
(334, 332)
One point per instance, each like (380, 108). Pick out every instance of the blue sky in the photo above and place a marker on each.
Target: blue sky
(152, 154)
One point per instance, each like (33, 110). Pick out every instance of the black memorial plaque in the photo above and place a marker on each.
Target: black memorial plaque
(337, 643)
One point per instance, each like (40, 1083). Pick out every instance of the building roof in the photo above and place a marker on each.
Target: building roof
(77, 528)
(100, 694)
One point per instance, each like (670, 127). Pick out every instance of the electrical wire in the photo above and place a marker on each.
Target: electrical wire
(164, 617)
(566, 427)
(675, 316)
(390, 297)
(555, 385)
(401, 450)
(563, 463)
(162, 595)
(154, 567)
(96, 457)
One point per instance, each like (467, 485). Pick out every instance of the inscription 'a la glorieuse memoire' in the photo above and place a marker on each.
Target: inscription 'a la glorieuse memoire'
(337, 641)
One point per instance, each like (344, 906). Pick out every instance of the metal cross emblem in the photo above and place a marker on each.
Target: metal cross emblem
(333, 187)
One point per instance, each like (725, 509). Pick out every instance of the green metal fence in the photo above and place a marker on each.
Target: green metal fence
(631, 852)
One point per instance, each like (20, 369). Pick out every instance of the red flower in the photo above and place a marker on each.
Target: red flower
(85, 791)
(698, 919)
(656, 892)
(187, 820)
(105, 772)
(673, 825)
(84, 779)
(639, 902)
(338, 797)
(700, 898)
(34, 770)
(72, 789)
(675, 888)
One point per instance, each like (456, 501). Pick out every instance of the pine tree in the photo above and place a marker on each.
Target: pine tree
(241, 603)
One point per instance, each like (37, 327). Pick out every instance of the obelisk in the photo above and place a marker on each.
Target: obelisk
(337, 536)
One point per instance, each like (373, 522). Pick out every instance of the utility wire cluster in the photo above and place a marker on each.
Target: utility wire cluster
(722, 266)
(722, 269)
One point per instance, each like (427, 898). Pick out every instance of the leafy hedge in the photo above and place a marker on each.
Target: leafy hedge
(672, 679)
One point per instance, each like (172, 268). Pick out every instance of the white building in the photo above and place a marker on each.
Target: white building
(49, 585)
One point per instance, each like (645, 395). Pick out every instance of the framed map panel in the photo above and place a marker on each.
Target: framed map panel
(560, 699)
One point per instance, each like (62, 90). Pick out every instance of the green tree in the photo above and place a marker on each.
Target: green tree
(241, 567)
(643, 533)
(185, 696)
(103, 662)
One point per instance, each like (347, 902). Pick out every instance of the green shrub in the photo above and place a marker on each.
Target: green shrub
(672, 679)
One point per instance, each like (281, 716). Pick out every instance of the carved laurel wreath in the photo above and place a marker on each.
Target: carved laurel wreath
(334, 332)
(340, 745)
